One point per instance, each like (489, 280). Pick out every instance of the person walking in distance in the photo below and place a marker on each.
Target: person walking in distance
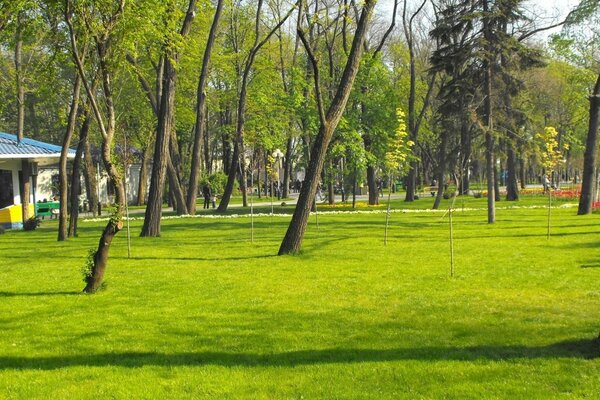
(207, 194)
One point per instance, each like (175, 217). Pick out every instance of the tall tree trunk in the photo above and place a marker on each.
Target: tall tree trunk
(241, 107)
(522, 174)
(143, 177)
(200, 125)
(372, 186)
(465, 150)
(496, 182)
(76, 173)
(106, 126)
(292, 241)
(164, 132)
(19, 86)
(20, 89)
(589, 158)
(287, 168)
(174, 171)
(207, 150)
(413, 123)
(161, 158)
(512, 186)
(91, 181)
(31, 103)
(63, 178)
(489, 127)
(441, 170)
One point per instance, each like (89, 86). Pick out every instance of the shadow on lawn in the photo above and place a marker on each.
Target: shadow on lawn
(585, 349)
(37, 294)
(256, 257)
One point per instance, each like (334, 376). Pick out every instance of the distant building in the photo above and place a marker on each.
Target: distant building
(42, 158)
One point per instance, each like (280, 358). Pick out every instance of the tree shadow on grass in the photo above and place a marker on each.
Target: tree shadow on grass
(579, 348)
(38, 294)
(591, 265)
(234, 258)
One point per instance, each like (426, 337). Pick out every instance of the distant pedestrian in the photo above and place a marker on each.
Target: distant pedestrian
(207, 194)
(545, 183)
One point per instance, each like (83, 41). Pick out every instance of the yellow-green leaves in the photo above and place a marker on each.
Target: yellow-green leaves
(551, 154)
(399, 154)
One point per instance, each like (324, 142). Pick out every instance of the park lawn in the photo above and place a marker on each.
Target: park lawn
(202, 312)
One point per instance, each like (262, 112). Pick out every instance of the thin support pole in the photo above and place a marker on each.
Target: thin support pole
(252, 205)
(549, 212)
(451, 242)
(387, 214)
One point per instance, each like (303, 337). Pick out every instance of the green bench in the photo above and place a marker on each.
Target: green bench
(47, 209)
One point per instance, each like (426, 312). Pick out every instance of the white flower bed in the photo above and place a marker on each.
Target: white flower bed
(380, 211)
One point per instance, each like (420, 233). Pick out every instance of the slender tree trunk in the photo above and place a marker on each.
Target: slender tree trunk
(91, 183)
(31, 103)
(164, 133)
(20, 89)
(489, 127)
(241, 108)
(200, 125)
(63, 178)
(413, 124)
(143, 177)
(153, 213)
(354, 184)
(589, 158)
(465, 146)
(76, 174)
(287, 168)
(441, 170)
(292, 241)
(207, 150)
(496, 182)
(522, 173)
(512, 186)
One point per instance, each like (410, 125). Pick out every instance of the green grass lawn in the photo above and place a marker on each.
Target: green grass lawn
(204, 313)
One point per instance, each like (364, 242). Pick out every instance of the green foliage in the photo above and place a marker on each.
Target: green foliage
(400, 154)
(217, 182)
(551, 154)
(88, 266)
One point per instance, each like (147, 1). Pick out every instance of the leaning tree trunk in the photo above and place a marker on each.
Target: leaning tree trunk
(201, 109)
(63, 178)
(95, 276)
(292, 241)
(589, 158)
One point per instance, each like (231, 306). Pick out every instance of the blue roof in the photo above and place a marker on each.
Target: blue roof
(10, 146)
